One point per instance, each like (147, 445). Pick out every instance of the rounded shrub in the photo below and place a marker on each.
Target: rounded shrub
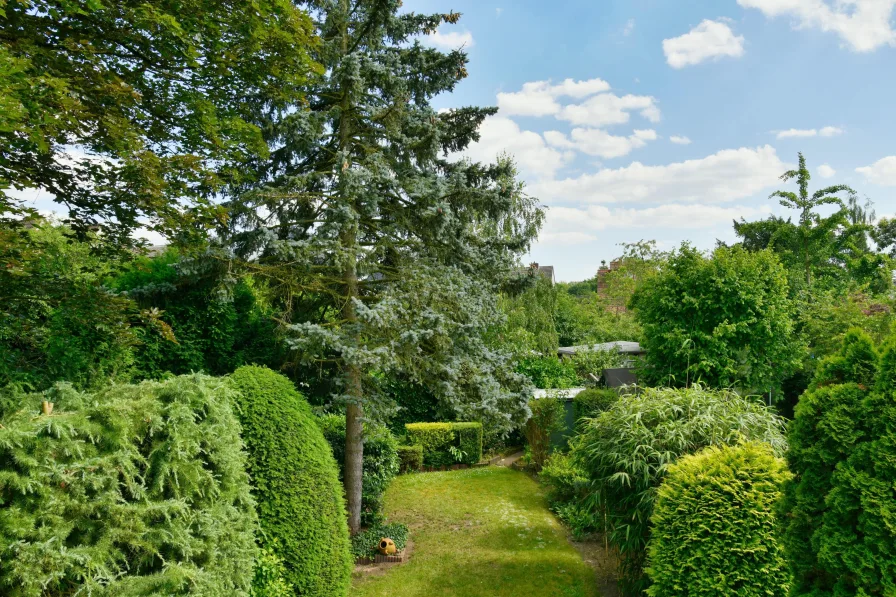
(714, 527)
(591, 402)
(626, 450)
(296, 483)
(128, 491)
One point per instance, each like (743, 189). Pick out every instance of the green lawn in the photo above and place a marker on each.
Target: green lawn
(478, 532)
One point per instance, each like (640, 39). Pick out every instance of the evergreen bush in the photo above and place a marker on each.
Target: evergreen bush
(626, 451)
(547, 417)
(714, 528)
(410, 458)
(131, 490)
(445, 444)
(380, 462)
(593, 401)
(296, 483)
(838, 511)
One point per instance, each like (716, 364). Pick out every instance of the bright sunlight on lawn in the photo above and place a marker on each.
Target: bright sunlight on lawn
(484, 531)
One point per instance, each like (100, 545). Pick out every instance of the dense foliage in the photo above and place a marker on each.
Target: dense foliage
(714, 527)
(57, 321)
(217, 324)
(593, 401)
(569, 493)
(410, 458)
(724, 320)
(547, 418)
(122, 110)
(131, 490)
(295, 483)
(627, 450)
(381, 462)
(838, 509)
(445, 444)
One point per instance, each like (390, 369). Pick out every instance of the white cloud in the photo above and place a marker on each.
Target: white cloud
(825, 171)
(722, 177)
(539, 98)
(499, 11)
(680, 140)
(532, 154)
(828, 131)
(575, 225)
(450, 40)
(709, 39)
(864, 25)
(600, 143)
(609, 109)
(629, 27)
(597, 142)
(882, 172)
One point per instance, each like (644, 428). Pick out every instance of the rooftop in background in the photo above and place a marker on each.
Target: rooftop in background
(545, 270)
(620, 346)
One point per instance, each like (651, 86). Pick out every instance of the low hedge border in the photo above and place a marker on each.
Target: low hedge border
(438, 439)
(410, 459)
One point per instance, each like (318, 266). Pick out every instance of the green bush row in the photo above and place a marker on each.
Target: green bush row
(445, 444)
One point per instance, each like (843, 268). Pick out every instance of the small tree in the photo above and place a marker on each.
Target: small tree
(838, 516)
(723, 320)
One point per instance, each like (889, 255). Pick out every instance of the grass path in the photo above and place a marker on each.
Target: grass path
(478, 532)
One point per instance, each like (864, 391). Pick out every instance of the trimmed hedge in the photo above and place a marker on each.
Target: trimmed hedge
(714, 527)
(436, 439)
(128, 491)
(410, 458)
(380, 463)
(590, 403)
(296, 483)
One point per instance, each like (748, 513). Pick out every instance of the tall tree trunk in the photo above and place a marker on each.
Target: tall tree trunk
(354, 430)
(354, 412)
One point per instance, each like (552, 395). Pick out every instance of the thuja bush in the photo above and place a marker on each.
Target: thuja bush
(131, 490)
(838, 511)
(547, 417)
(295, 482)
(627, 449)
(714, 528)
(380, 463)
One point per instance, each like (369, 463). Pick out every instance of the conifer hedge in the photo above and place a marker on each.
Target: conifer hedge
(295, 482)
(130, 491)
(839, 510)
(714, 527)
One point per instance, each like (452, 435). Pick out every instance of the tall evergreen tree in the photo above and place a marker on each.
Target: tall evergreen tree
(403, 246)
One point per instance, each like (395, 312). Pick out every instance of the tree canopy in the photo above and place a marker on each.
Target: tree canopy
(131, 110)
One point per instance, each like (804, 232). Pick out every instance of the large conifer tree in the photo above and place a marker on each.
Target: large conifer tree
(401, 246)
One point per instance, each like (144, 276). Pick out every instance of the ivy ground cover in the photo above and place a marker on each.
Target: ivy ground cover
(478, 532)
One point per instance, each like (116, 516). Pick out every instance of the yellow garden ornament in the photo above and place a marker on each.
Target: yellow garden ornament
(387, 546)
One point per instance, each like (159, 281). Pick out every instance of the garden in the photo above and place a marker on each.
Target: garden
(337, 377)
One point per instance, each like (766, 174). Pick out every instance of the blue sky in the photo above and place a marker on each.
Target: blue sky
(654, 119)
